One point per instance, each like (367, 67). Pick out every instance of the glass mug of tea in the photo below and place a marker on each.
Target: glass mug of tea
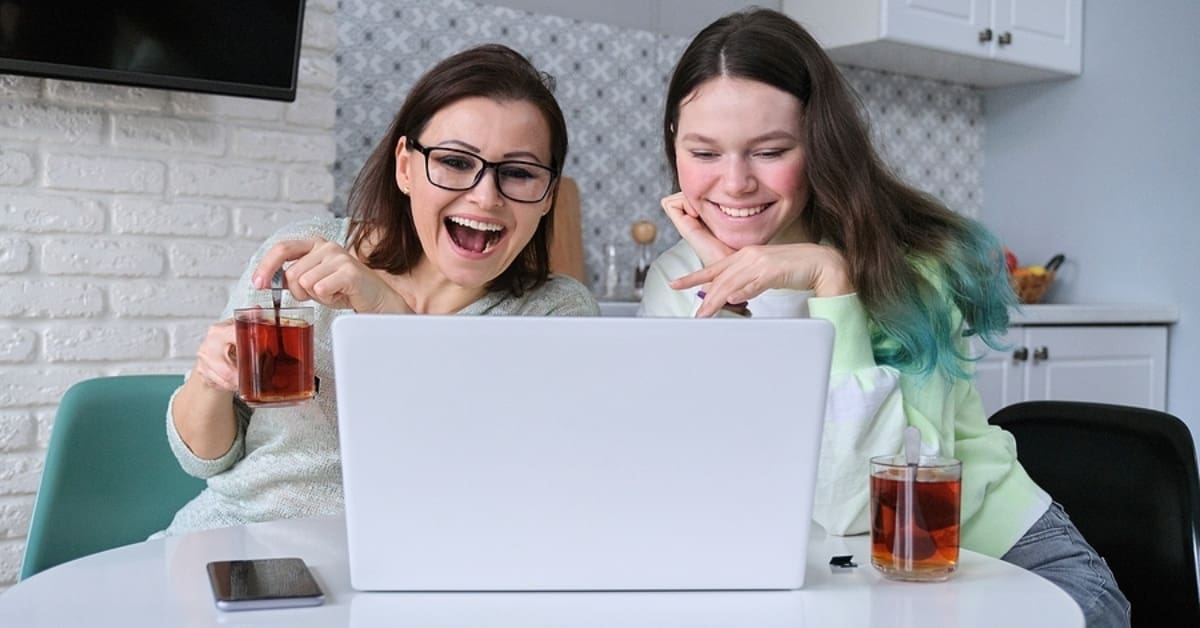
(915, 516)
(275, 355)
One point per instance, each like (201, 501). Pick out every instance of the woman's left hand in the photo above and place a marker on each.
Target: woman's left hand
(749, 272)
(324, 272)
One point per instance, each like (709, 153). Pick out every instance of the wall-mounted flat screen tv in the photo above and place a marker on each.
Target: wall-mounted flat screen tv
(235, 47)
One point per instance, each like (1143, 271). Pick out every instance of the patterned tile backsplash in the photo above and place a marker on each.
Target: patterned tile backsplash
(610, 84)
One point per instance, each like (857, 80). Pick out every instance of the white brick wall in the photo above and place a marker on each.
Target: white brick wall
(125, 215)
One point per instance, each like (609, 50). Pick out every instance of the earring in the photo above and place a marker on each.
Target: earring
(404, 189)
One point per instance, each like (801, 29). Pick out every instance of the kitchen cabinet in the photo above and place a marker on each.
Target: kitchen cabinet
(1119, 364)
(985, 43)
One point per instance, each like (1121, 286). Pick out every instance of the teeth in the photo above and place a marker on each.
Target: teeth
(491, 241)
(475, 224)
(741, 212)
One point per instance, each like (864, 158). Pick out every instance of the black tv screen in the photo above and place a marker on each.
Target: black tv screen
(235, 47)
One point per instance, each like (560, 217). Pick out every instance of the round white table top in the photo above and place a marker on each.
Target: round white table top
(164, 583)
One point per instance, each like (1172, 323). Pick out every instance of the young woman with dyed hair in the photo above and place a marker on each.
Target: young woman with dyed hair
(785, 210)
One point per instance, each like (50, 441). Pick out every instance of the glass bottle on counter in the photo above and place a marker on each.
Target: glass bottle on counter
(644, 232)
(612, 273)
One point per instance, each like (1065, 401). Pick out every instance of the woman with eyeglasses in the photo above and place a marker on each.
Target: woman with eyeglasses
(451, 214)
(785, 210)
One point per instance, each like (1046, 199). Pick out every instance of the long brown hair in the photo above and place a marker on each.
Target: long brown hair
(887, 231)
(382, 216)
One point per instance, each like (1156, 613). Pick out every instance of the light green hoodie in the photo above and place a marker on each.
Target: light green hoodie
(867, 410)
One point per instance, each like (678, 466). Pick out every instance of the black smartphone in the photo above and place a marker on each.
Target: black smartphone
(240, 585)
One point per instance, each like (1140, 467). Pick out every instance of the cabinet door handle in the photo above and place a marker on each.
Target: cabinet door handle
(985, 35)
(1020, 355)
(1041, 354)
(1004, 39)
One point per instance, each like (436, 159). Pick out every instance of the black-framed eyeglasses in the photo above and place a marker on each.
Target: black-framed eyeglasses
(458, 170)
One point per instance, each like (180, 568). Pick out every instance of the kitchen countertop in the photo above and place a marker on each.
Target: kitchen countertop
(618, 307)
(1048, 314)
(1096, 314)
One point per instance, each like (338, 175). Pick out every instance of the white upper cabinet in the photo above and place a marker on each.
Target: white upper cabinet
(985, 43)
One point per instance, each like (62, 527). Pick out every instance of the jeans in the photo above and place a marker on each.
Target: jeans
(1054, 549)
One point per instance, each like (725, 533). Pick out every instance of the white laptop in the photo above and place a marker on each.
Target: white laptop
(556, 454)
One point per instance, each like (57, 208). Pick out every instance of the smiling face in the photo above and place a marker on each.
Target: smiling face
(740, 161)
(470, 237)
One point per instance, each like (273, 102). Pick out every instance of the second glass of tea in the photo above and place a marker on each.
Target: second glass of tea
(915, 516)
(275, 355)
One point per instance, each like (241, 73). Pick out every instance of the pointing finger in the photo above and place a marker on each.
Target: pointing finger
(275, 257)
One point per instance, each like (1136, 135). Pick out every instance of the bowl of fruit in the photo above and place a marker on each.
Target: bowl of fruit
(1030, 282)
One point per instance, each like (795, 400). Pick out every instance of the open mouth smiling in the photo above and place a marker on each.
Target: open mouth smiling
(473, 235)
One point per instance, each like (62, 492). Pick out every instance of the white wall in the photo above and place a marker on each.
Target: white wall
(125, 215)
(1105, 168)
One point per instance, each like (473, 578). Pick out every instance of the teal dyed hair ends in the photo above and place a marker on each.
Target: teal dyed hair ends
(919, 333)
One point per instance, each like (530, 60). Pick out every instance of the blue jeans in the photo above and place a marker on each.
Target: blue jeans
(1055, 550)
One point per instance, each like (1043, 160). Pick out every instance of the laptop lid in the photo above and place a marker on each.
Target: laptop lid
(520, 453)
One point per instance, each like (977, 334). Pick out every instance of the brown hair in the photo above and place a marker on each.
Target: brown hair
(884, 228)
(381, 216)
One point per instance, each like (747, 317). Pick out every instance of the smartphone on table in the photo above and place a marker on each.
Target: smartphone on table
(261, 583)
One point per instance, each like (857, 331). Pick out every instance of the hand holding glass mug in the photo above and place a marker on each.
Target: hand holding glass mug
(275, 351)
(275, 355)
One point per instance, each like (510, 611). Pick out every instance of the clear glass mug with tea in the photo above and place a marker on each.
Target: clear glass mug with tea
(915, 516)
(275, 355)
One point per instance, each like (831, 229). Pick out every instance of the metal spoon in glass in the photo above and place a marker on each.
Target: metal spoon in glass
(269, 361)
(277, 293)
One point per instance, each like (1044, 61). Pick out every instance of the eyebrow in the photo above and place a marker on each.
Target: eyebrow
(520, 154)
(772, 135)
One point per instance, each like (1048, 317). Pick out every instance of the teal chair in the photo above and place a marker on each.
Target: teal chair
(110, 478)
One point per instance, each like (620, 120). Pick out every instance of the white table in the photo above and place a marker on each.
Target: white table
(163, 583)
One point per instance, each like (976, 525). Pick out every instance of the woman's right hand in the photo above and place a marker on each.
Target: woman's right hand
(692, 229)
(216, 359)
(203, 409)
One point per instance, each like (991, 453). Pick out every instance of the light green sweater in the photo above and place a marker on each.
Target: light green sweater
(284, 462)
(867, 410)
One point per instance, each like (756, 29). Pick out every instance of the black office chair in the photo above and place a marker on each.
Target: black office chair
(1127, 477)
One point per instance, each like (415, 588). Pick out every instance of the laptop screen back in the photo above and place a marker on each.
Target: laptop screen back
(516, 453)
